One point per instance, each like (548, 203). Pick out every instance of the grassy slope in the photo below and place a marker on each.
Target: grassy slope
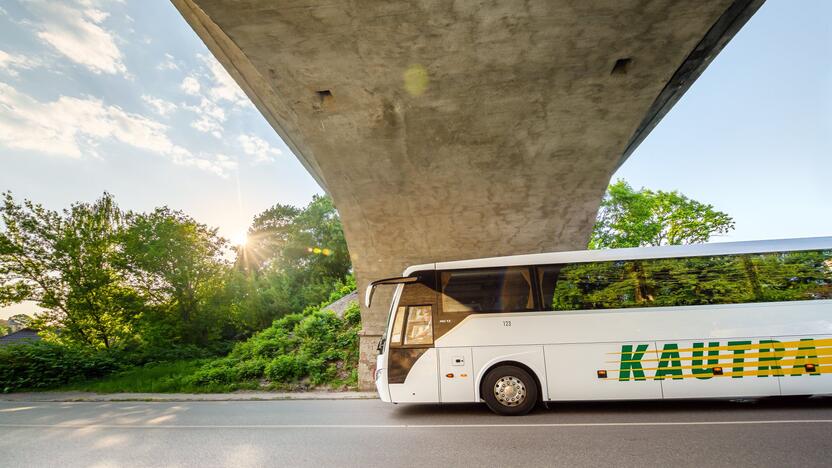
(169, 377)
(315, 349)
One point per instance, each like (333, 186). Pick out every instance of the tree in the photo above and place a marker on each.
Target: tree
(293, 259)
(176, 265)
(630, 218)
(64, 262)
(269, 234)
(285, 237)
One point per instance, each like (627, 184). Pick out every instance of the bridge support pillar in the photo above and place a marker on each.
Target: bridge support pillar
(367, 344)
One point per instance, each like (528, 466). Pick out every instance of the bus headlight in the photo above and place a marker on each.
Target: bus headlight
(378, 373)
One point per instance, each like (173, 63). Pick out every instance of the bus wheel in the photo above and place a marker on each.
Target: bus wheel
(509, 391)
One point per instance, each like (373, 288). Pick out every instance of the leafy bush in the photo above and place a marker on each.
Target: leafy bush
(143, 355)
(309, 349)
(42, 364)
(285, 368)
(314, 348)
(251, 369)
(220, 371)
(158, 377)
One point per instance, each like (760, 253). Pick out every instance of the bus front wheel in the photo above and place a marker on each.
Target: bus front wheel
(509, 391)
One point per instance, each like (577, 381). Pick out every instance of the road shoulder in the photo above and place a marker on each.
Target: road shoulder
(235, 396)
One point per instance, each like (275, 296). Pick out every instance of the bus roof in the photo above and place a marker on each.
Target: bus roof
(636, 253)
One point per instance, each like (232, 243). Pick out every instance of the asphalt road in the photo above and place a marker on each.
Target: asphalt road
(370, 433)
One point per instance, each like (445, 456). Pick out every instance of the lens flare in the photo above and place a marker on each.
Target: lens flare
(415, 80)
(240, 239)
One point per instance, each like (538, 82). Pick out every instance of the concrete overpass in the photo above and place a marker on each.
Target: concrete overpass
(459, 129)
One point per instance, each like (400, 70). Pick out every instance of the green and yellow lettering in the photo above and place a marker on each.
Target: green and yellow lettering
(704, 372)
(670, 356)
(809, 357)
(738, 357)
(767, 355)
(631, 361)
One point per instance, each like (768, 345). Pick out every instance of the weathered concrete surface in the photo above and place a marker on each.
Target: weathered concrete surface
(460, 129)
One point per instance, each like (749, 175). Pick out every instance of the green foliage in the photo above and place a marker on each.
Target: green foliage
(315, 348)
(630, 218)
(41, 365)
(285, 368)
(140, 355)
(64, 262)
(294, 259)
(155, 287)
(175, 263)
(309, 241)
(113, 280)
(167, 377)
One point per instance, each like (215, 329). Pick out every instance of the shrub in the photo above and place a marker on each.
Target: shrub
(140, 356)
(44, 364)
(315, 347)
(216, 372)
(251, 369)
(285, 368)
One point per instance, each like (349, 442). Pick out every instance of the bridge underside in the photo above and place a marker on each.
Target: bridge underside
(459, 129)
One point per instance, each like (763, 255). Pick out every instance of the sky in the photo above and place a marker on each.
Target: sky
(123, 97)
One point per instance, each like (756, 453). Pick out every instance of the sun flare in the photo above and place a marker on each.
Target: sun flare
(240, 239)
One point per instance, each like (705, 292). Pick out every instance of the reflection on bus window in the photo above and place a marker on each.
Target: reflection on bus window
(396, 336)
(487, 290)
(419, 326)
(724, 279)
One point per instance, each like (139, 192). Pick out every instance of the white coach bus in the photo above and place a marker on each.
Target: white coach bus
(742, 319)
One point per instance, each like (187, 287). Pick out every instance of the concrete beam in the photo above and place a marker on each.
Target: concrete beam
(450, 130)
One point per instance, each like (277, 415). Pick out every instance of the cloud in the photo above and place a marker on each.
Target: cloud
(11, 63)
(206, 124)
(69, 125)
(190, 85)
(216, 90)
(259, 148)
(224, 87)
(77, 33)
(160, 106)
(211, 116)
(168, 64)
(95, 15)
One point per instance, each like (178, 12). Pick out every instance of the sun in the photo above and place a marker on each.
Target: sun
(240, 239)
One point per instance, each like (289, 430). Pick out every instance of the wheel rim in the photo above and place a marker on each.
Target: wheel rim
(510, 391)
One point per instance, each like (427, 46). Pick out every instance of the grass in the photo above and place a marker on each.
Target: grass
(168, 377)
(313, 349)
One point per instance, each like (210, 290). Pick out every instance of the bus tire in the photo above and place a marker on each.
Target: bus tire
(509, 390)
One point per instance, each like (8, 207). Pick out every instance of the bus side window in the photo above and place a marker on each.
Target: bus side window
(547, 277)
(487, 290)
(419, 330)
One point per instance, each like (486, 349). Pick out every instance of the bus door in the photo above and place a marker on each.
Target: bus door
(412, 358)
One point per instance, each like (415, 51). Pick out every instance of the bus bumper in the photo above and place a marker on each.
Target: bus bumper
(381, 379)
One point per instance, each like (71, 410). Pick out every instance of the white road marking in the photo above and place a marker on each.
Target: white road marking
(411, 426)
